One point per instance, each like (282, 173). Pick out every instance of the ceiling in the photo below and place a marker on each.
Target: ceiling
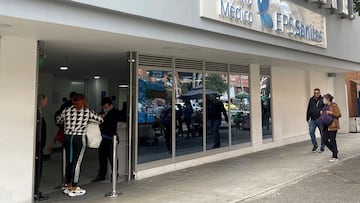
(89, 52)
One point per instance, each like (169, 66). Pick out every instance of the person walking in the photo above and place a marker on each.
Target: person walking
(214, 110)
(108, 128)
(39, 147)
(188, 114)
(166, 123)
(312, 117)
(330, 130)
(75, 120)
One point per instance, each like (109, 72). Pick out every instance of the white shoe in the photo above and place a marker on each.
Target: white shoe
(334, 160)
(77, 192)
(67, 191)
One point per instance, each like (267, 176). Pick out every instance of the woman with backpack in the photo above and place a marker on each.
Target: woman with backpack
(329, 117)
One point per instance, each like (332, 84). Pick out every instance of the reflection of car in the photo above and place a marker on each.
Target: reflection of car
(232, 107)
(224, 124)
(197, 106)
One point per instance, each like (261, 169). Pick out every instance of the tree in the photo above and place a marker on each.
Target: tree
(216, 83)
(357, 6)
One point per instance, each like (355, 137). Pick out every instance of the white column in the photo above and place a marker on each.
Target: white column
(255, 106)
(340, 94)
(18, 77)
(277, 85)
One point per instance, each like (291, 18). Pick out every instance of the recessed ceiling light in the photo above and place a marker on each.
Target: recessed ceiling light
(123, 86)
(64, 68)
(97, 77)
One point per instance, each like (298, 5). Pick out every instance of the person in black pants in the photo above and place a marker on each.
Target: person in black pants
(108, 129)
(40, 144)
(330, 131)
(75, 120)
(165, 119)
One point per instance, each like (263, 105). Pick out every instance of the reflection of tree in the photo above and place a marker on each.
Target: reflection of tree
(186, 87)
(216, 83)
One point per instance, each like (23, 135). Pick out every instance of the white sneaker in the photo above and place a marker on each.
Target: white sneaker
(77, 192)
(67, 190)
(334, 160)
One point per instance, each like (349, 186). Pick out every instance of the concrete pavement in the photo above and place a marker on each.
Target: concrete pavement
(254, 178)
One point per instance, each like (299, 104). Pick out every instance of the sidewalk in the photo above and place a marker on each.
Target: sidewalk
(234, 180)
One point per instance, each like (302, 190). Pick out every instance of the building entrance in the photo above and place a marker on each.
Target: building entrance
(66, 68)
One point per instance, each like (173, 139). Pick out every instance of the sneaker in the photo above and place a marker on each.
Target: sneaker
(322, 150)
(67, 190)
(77, 192)
(98, 179)
(334, 160)
(39, 197)
(314, 149)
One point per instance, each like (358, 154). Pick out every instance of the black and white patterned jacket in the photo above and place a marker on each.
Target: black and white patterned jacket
(75, 121)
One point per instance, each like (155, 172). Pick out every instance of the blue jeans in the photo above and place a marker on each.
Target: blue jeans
(312, 128)
(215, 125)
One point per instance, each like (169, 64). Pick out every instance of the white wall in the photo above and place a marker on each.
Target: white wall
(341, 99)
(18, 72)
(290, 97)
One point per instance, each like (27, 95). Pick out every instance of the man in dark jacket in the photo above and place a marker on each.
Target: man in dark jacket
(40, 144)
(108, 129)
(214, 110)
(313, 113)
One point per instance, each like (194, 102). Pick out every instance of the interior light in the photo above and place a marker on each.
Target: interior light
(123, 86)
(97, 77)
(64, 68)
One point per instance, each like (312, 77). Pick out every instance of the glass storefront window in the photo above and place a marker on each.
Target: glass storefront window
(154, 115)
(189, 112)
(265, 92)
(217, 128)
(240, 108)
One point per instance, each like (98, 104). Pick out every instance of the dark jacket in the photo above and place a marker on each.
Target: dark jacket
(214, 110)
(109, 126)
(314, 108)
(40, 130)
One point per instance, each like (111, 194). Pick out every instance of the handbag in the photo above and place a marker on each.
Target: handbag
(324, 118)
(93, 135)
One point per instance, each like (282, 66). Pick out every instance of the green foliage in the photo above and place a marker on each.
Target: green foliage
(357, 6)
(216, 83)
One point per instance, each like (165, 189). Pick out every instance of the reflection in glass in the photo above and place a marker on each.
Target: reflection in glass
(239, 108)
(189, 113)
(154, 115)
(265, 85)
(217, 130)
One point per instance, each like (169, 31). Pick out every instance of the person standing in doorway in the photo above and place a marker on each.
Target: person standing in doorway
(330, 131)
(315, 105)
(75, 120)
(39, 147)
(108, 129)
(214, 110)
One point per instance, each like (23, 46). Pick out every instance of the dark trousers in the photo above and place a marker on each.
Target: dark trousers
(105, 155)
(38, 167)
(215, 125)
(75, 146)
(329, 139)
(167, 132)
(188, 125)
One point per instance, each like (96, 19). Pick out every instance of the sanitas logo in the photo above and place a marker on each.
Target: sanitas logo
(266, 20)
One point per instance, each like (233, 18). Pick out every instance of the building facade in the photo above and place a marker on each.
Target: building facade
(262, 59)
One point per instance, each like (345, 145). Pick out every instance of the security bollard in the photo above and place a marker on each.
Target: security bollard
(114, 193)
